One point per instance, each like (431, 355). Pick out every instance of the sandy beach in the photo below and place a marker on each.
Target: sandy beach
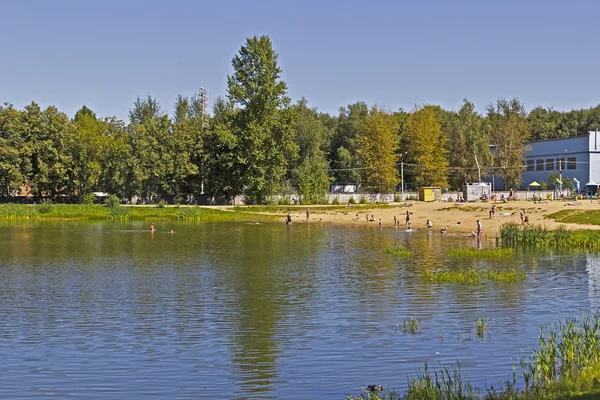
(459, 218)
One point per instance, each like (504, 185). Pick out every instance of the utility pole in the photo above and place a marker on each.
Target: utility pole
(402, 173)
(204, 101)
(560, 174)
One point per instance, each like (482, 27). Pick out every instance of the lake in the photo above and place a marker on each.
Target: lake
(233, 310)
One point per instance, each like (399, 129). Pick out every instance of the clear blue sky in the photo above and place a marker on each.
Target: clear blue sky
(394, 53)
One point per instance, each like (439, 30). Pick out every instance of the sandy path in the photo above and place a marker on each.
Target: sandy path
(458, 218)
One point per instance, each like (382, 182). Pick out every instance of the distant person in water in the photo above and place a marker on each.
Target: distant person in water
(479, 229)
(288, 219)
(408, 218)
(429, 223)
(172, 231)
(307, 213)
(152, 228)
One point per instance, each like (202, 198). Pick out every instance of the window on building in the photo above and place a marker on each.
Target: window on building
(539, 165)
(572, 163)
(550, 164)
(530, 165)
(561, 163)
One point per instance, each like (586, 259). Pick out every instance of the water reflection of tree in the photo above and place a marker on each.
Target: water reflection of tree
(267, 279)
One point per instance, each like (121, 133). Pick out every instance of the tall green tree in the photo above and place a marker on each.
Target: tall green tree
(426, 148)
(11, 143)
(510, 132)
(87, 150)
(152, 162)
(224, 177)
(468, 146)
(311, 171)
(378, 147)
(264, 125)
(48, 163)
(346, 161)
(187, 142)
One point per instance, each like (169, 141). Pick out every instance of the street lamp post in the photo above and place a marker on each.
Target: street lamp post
(402, 174)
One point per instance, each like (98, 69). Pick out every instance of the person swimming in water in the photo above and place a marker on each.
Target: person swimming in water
(152, 228)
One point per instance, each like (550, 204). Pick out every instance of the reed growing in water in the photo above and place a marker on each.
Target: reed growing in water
(514, 235)
(483, 253)
(473, 277)
(398, 251)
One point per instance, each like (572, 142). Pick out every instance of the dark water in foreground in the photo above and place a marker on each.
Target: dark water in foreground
(103, 310)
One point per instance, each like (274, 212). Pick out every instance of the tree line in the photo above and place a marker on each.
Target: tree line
(258, 143)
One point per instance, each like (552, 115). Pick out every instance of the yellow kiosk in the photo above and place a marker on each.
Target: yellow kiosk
(430, 193)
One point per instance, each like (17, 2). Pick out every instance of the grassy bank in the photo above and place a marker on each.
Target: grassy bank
(565, 366)
(99, 212)
(589, 217)
(538, 236)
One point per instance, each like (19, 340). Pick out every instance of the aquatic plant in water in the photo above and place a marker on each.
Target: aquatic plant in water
(483, 253)
(469, 276)
(513, 235)
(473, 277)
(411, 326)
(481, 326)
(398, 251)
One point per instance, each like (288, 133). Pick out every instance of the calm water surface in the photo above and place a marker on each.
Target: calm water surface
(235, 310)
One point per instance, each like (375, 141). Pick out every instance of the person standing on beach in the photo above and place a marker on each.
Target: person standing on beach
(288, 219)
(408, 219)
(307, 214)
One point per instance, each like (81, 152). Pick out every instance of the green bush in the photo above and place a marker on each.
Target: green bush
(113, 202)
(335, 201)
(45, 207)
(397, 198)
(351, 201)
(88, 198)
(161, 204)
(363, 200)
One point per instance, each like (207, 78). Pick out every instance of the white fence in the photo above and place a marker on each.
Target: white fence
(344, 198)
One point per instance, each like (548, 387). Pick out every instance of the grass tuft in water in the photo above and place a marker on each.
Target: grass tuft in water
(481, 326)
(483, 253)
(398, 251)
(510, 275)
(412, 326)
(473, 277)
(469, 276)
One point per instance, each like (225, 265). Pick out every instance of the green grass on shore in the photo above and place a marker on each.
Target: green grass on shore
(99, 212)
(588, 217)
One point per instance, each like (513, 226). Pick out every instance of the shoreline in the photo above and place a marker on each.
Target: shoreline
(459, 218)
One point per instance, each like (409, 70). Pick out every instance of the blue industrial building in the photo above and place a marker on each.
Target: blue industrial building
(576, 158)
